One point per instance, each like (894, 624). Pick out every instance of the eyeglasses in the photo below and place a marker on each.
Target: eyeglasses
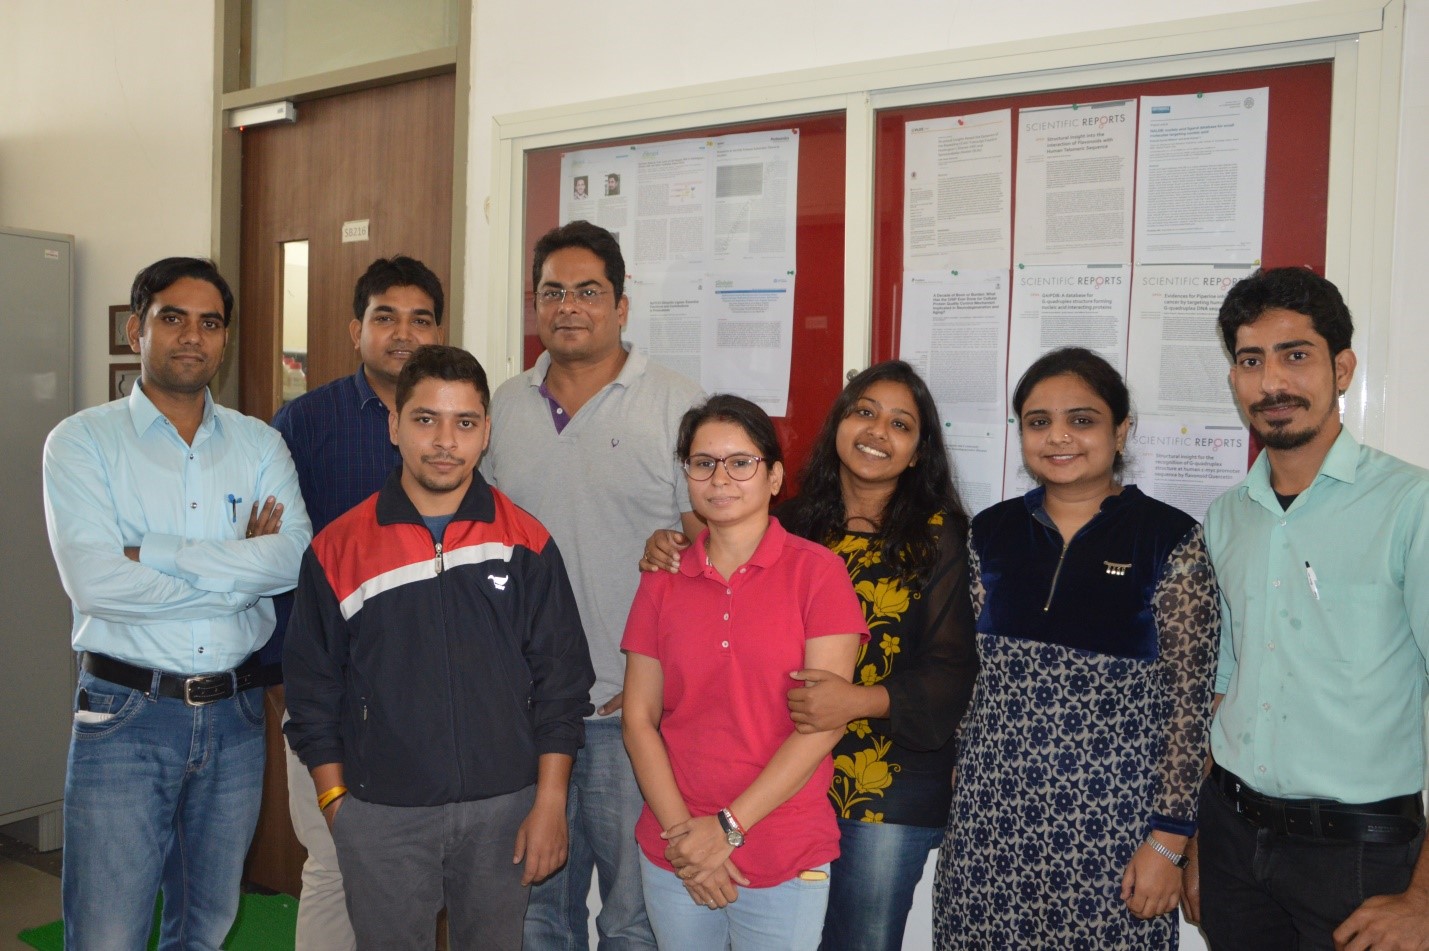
(740, 467)
(585, 296)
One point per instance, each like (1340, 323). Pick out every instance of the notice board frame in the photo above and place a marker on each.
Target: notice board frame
(819, 237)
(1362, 39)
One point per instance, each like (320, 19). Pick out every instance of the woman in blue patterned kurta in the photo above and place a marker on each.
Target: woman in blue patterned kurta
(1081, 756)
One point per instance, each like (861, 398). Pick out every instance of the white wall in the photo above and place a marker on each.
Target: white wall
(105, 133)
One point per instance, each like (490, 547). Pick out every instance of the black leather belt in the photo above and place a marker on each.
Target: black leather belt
(1388, 822)
(196, 691)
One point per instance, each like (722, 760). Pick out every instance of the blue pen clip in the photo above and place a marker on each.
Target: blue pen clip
(233, 501)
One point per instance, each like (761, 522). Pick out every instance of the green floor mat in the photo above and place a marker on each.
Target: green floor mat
(264, 923)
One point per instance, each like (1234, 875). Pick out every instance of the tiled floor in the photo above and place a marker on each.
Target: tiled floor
(28, 897)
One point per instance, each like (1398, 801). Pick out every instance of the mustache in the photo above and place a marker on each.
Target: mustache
(443, 457)
(1271, 402)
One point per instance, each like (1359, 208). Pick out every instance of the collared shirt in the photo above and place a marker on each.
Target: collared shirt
(726, 647)
(341, 445)
(120, 476)
(601, 485)
(1325, 629)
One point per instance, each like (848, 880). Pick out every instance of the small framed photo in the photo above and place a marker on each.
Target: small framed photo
(118, 322)
(122, 377)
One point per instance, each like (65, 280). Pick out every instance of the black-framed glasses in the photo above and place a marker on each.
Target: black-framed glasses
(585, 296)
(740, 466)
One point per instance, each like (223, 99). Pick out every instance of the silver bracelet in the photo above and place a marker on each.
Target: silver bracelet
(1175, 858)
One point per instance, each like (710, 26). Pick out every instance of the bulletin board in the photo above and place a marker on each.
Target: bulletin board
(819, 281)
(1296, 177)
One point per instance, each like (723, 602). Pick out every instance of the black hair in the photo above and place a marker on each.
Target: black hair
(581, 234)
(440, 362)
(1290, 288)
(1093, 370)
(165, 273)
(923, 490)
(728, 408)
(398, 271)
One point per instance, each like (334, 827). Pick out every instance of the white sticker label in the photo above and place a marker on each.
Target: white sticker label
(354, 231)
(52, 255)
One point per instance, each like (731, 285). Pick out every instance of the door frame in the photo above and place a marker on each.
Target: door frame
(230, 40)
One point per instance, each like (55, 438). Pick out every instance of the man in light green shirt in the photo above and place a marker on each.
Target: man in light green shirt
(1322, 553)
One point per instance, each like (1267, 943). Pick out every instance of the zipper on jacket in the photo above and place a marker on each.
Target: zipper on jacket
(1055, 575)
(439, 557)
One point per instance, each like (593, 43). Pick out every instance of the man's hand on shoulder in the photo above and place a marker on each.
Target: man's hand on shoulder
(1387, 923)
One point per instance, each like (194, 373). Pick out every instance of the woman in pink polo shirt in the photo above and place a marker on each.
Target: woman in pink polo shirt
(736, 800)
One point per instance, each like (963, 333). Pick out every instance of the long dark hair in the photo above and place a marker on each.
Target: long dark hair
(908, 540)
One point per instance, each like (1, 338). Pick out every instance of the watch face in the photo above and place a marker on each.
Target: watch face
(734, 837)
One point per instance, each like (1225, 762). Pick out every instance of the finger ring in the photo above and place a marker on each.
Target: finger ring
(249, 535)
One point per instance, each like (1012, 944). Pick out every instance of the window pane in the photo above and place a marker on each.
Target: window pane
(293, 38)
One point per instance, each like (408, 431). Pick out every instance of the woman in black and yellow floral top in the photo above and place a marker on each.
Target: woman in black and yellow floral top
(878, 491)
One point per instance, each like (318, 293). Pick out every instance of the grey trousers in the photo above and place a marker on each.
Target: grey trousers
(402, 864)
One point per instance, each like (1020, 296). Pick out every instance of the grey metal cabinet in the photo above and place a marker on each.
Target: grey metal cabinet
(36, 392)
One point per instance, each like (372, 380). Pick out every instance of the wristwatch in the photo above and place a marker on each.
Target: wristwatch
(1175, 858)
(733, 831)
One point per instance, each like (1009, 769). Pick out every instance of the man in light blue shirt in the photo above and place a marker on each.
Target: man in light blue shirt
(1313, 806)
(173, 522)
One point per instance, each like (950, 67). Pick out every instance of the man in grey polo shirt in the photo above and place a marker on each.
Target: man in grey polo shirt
(585, 441)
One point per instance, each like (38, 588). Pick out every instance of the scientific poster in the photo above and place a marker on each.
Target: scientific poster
(707, 228)
(1200, 181)
(1075, 168)
(1176, 363)
(957, 192)
(955, 335)
(1185, 463)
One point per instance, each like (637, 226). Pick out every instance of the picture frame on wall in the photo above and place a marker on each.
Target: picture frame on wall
(122, 377)
(118, 322)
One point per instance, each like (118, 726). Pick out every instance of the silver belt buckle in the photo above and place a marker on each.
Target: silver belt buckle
(205, 680)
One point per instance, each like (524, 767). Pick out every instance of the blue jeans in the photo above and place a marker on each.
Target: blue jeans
(786, 917)
(602, 806)
(878, 868)
(158, 794)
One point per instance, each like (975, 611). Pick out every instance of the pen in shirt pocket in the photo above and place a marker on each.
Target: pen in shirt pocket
(233, 503)
(1310, 577)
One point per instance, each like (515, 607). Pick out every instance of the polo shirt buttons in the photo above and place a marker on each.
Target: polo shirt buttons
(193, 505)
(1275, 583)
(729, 591)
(726, 617)
(724, 643)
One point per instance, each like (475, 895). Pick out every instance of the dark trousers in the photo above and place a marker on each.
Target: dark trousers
(1267, 891)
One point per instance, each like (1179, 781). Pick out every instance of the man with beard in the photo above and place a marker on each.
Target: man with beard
(437, 680)
(1311, 818)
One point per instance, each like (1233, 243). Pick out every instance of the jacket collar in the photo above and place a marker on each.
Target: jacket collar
(394, 506)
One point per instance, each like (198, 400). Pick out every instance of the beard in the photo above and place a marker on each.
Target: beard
(441, 482)
(1281, 437)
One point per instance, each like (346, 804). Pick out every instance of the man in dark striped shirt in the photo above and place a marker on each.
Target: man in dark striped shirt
(343, 452)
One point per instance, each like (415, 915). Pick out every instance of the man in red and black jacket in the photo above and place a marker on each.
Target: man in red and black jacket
(437, 678)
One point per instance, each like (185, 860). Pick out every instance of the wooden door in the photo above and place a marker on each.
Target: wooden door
(383, 155)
